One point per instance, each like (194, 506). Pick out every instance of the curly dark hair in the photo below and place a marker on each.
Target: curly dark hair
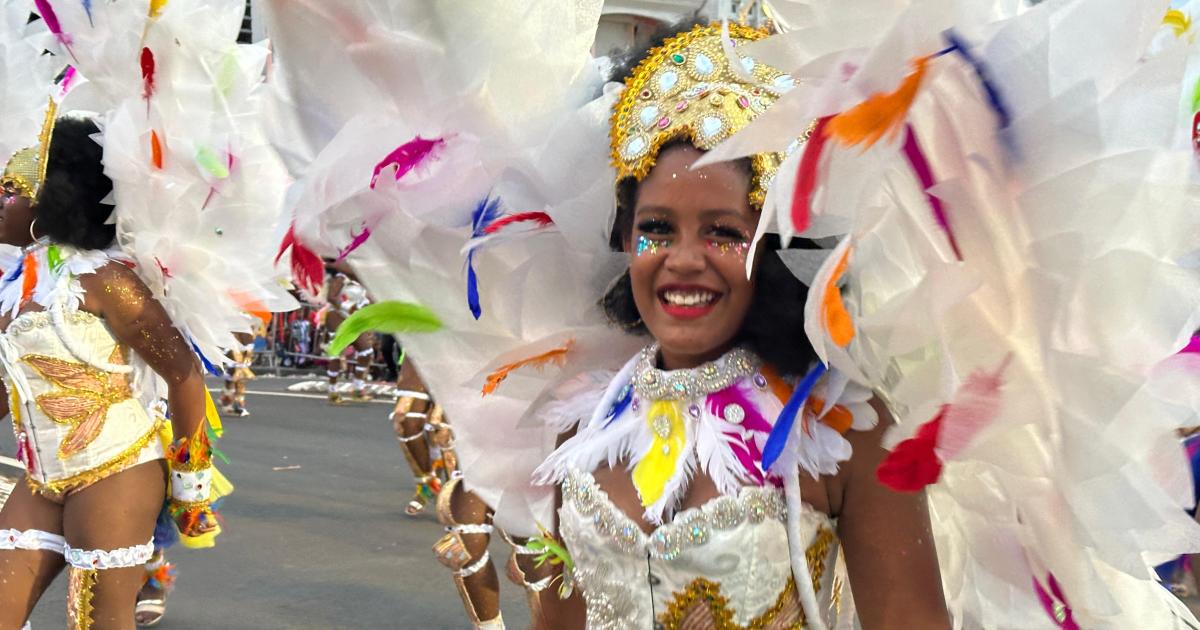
(774, 326)
(69, 208)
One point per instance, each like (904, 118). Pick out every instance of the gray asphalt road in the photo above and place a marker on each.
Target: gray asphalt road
(315, 536)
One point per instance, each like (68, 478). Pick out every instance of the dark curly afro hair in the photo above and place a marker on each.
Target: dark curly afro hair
(69, 208)
(774, 326)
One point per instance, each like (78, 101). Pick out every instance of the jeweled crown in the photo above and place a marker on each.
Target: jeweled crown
(26, 169)
(687, 88)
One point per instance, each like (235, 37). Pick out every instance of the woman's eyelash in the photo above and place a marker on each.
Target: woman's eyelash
(654, 226)
(728, 232)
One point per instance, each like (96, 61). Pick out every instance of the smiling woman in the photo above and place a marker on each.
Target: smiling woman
(676, 471)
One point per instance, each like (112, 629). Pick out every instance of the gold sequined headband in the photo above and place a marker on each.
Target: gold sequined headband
(26, 169)
(687, 89)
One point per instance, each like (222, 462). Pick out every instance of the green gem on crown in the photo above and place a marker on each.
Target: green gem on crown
(678, 58)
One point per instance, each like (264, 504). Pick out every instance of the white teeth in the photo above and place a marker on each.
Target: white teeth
(689, 298)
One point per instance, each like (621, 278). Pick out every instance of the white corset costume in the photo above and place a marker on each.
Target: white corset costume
(75, 412)
(728, 563)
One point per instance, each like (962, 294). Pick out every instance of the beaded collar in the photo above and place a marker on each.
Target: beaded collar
(651, 383)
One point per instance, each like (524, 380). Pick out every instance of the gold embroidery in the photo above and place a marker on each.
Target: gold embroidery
(80, 590)
(60, 487)
(707, 594)
(80, 398)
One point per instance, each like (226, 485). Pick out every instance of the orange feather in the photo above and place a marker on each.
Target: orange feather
(557, 356)
(833, 309)
(29, 278)
(881, 114)
(156, 152)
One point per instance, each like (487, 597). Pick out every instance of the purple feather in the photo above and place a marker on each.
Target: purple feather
(995, 99)
(924, 173)
(407, 156)
(355, 243)
(787, 418)
(87, 7)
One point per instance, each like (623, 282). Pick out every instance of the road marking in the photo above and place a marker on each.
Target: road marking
(308, 396)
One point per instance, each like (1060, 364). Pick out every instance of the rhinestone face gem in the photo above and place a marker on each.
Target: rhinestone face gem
(703, 65)
(649, 115)
(711, 126)
(734, 413)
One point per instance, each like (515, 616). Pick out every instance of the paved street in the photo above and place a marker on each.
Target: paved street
(315, 534)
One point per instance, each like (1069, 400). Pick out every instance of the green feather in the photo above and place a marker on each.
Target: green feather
(1196, 97)
(211, 163)
(54, 258)
(384, 317)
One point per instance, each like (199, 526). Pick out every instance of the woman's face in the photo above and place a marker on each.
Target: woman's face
(691, 234)
(16, 215)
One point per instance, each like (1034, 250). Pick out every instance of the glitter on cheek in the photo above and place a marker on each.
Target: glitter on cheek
(647, 246)
(739, 249)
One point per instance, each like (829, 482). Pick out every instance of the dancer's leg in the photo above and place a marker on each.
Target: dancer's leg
(31, 556)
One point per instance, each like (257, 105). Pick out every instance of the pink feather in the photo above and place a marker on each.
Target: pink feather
(355, 243)
(975, 406)
(407, 156)
(540, 219)
(737, 395)
(51, 19)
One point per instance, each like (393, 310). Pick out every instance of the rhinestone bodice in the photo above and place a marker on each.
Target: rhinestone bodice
(732, 551)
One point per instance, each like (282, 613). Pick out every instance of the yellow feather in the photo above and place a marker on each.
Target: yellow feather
(651, 474)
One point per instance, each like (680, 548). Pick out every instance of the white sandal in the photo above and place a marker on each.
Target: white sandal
(152, 607)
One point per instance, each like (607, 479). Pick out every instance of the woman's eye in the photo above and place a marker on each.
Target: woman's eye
(727, 234)
(654, 226)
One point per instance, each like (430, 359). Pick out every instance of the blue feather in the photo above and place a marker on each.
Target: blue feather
(165, 533)
(620, 405)
(995, 99)
(16, 272)
(87, 6)
(787, 418)
(208, 366)
(487, 211)
(473, 287)
(484, 214)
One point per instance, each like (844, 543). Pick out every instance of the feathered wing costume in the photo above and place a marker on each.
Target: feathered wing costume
(1015, 194)
(198, 190)
(1011, 189)
(426, 171)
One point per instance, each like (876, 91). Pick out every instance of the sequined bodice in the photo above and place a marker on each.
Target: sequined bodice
(728, 559)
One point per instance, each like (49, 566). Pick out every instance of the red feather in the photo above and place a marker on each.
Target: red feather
(806, 176)
(976, 405)
(541, 218)
(914, 463)
(147, 73)
(307, 268)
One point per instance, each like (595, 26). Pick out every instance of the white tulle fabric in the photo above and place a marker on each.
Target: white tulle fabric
(509, 88)
(201, 228)
(1076, 221)
(26, 77)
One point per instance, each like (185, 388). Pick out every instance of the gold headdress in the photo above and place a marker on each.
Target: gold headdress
(26, 169)
(686, 88)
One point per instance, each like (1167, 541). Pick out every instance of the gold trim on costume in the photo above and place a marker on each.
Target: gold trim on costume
(687, 88)
(26, 169)
(707, 593)
(60, 487)
(80, 590)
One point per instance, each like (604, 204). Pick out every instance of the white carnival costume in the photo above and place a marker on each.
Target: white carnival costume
(1015, 217)
(195, 187)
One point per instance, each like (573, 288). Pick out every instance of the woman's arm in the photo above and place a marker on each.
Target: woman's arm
(137, 320)
(888, 542)
(553, 612)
